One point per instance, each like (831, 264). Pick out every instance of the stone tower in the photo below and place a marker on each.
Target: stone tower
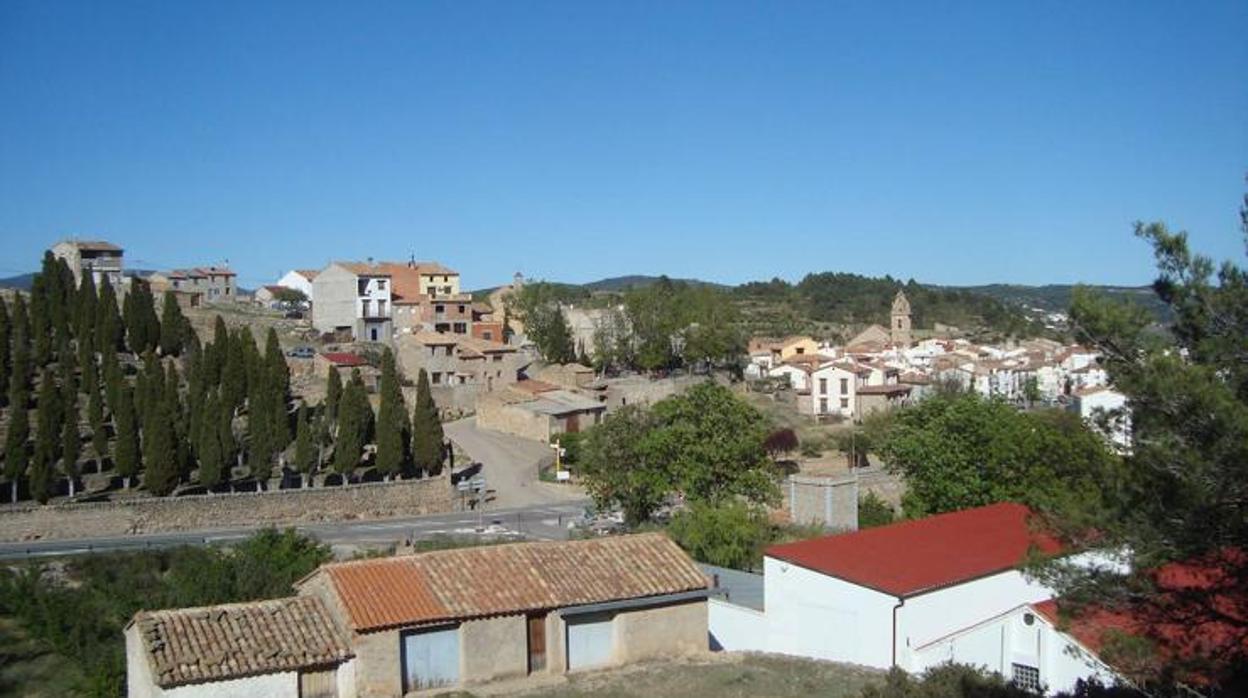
(899, 328)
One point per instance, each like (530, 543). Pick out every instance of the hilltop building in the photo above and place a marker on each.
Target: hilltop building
(103, 260)
(899, 328)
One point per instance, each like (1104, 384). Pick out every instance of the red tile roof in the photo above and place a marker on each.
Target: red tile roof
(912, 557)
(513, 578)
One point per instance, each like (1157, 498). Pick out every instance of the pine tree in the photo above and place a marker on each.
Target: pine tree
(126, 453)
(393, 427)
(6, 358)
(159, 455)
(212, 460)
(427, 436)
(16, 448)
(109, 325)
(305, 449)
(173, 326)
(333, 395)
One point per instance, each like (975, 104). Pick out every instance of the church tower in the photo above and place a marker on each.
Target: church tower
(899, 329)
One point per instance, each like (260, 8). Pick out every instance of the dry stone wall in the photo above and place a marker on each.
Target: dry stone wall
(245, 509)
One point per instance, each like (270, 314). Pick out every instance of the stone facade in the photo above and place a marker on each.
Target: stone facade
(831, 502)
(272, 508)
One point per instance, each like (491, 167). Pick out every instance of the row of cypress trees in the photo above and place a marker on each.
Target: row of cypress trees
(232, 408)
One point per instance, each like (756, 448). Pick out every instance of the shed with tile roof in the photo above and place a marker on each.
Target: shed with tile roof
(471, 615)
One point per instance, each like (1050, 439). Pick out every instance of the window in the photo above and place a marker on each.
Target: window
(439, 309)
(448, 350)
(1027, 677)
(461, 308)
(365, 305)
(381, 308)
(801, 350)
(844, 403)
(435, 377)
(497, 358)
(487, 334)
(823, 385)
(844, 386)
(823, 405)
(381, 284)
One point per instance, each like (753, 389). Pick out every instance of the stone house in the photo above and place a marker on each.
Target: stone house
(877, 398)
(427, 297)
(103, 260)
(486, 324)
(214, 284)
(284, 648)
(781, 350)
(454, 618)
(352, 299)
(537, 410)
(267, 296)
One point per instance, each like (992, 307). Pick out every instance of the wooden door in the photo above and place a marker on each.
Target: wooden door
(537, 643)
(574, 423)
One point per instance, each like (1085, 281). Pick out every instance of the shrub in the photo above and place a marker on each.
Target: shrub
(873, 511)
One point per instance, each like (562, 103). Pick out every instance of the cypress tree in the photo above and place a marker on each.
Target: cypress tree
(234, 374)
(71, 448)
(108, 323)
(173, 326)
(6, 358)
(427, 436)
(333, 395)
(40, 322)
(159, 455)
(113, 378)
(225, 436)
(393, 427)
(16, 448)
(305, 449)
(86, 312)
(176, 408)
(126, 453)
(139, 313)
(212, 462)
(215, 353)
(352, 428)
(277, 379)
(95, 415)
(47, 438)
(21, 370)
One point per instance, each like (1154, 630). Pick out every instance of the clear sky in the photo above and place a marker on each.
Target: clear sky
(945, 141)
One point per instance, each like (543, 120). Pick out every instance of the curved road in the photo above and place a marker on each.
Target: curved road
(510, 465)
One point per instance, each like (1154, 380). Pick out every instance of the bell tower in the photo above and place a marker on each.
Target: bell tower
(899, 328)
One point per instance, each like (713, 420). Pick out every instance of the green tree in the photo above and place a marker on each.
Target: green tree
(427, 435)
(159, 451)
(962, 451)
(40, 321)
(16, 441)
(730, 534)
(393, 426)
(352, 428)
(1187, 484)
(47, 438)
(619, 468)
(174, 328)
(873, 511)
(95, 414)
(277, 385)
(333, 394)
(305, 446)
(86, 316)
(126, 453)
(212, 457)
(109, 324)
(71, 442)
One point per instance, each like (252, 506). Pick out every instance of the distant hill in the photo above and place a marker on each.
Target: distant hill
(622, 283)
(1056, 297)
(21, 281)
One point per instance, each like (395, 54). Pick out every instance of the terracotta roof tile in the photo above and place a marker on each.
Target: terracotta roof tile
(491, 580)
(213, 643)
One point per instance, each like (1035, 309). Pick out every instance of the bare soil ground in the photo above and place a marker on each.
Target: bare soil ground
(720, 675)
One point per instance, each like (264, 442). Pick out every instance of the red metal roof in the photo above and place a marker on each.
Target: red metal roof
(912, 557)
(345, 359)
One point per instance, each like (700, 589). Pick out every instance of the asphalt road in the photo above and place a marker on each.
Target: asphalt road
(538, 521)
(510, 465)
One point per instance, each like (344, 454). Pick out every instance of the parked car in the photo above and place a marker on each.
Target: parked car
(301, 353)
(294, 315)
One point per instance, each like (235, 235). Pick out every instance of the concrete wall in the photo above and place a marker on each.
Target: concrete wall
(283, 685)
(273, 508)
(929, 616)
(661, 631)
(139, 680)
(736, 628)
(999, 643)
(831, 502)
(813, 615)
(493, 648)
(378, 666)
(335, 292)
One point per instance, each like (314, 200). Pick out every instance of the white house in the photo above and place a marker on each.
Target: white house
(798, 377)
(300, 280)
(833, 389)
(888, 596)
(1102, 403)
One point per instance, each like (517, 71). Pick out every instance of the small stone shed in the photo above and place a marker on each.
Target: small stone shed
(281, 648)
(461, 617)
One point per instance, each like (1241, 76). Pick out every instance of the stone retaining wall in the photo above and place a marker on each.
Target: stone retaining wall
(273, 508)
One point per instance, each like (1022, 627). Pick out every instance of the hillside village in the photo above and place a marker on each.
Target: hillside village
(403, 335)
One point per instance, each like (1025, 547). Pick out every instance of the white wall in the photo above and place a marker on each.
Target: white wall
(1000, 642)
(297, 281)
(737, 628)
(285, 685)
(927, 617)
(813, 615)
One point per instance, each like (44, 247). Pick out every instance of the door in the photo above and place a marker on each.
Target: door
(372, 333)
(318, 684)
(591, 640)
(430, 658)
(574, 423)
(537, 643)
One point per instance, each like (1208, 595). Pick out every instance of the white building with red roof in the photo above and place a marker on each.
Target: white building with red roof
(882, 596)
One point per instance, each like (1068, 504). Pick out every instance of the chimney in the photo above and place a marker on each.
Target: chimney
(411, 261)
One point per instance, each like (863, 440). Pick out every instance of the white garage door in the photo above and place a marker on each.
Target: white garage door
(590, 640)
(430, 658)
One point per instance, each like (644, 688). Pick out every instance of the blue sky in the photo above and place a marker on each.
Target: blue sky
(948, 142)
